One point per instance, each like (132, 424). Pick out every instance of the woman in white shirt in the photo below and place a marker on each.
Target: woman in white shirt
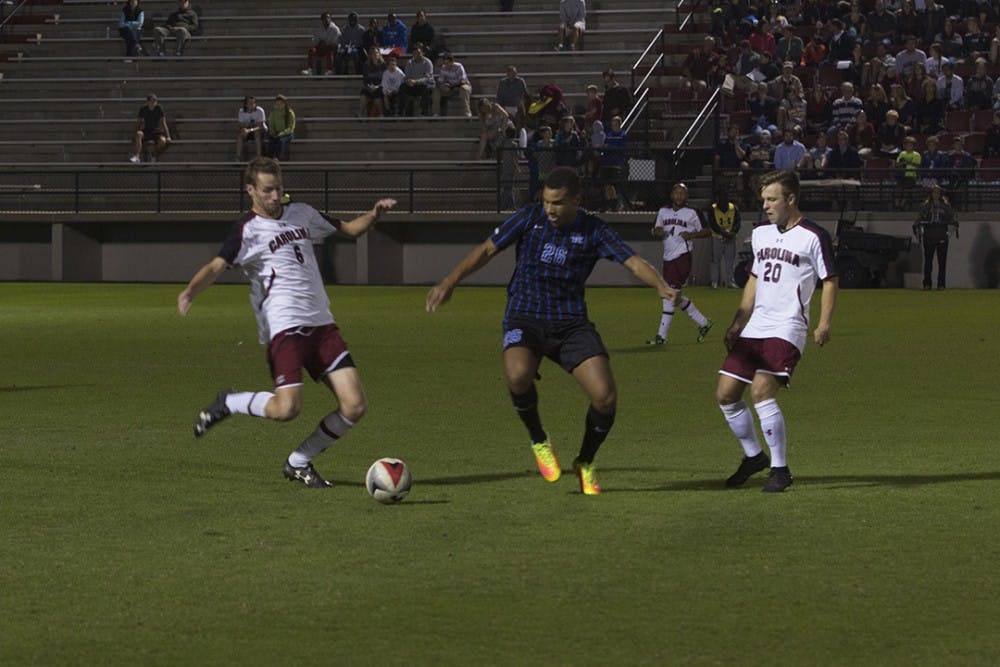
(253, 123)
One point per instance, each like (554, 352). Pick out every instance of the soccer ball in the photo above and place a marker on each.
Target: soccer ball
(388, 480)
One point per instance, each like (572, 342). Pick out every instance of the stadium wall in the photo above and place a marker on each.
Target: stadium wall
(406, 249)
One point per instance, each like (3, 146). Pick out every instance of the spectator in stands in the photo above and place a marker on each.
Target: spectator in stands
(350, 49)
(253, 124)
(511, 91)
(732, 153)
(746, 60)
(719, 72)
(568, 143)
(815, 52)
(933, 64)
(151, 127)
(179, 25)
(495, 122)
(419, 84)
(790, 153)
(422, 35)
(904, 105)
(281, 128)
(617, 98)
(961, 166)
(324, 44)
(614, 162)
(452, 82)
(761, 40)
(862, 135)
(780, 86)
(395, 36)
(991, 146)
(763, 110)
(762, 155)
(723, 218)
(909, 56)
(130, 22)
(908, 21)
(890, 135)
(975, 42)
(793, 110)
(845, 108)
(979, 88)
(913, 83)
(818, 157)
(842, 42)
(768, 69)
(932, 21)
(392, 83)
(844, 161)
(699, 62)
(819, 113)
(372, 95)
(372, 36)
(855, 22)
(881, 24)
(572, 23)
(877, 103)
(593, 112)
(995, 46)
(950, 86)
(952, 45)
(933, 162)
(929, 114)
(790, 47)
(907, 165)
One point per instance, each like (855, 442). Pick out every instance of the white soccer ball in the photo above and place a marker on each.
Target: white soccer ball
(388, 480)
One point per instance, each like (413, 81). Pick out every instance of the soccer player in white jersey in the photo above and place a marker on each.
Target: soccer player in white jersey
(273, 244)
(677, 225)
(768, 334)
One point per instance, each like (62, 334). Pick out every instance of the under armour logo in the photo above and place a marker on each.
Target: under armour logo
(768, 431)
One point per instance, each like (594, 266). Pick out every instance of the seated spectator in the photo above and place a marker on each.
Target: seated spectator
(929, 116)
(617, 98)
(862, 135)
(790, 153)
(613, 163)
(568, 143)
(373, 37)
(324, 44)
(281, 128)
(975, 43)
(952, 45)
(180, 25)
(572, 23)
(747, 61)
(452, 82)
(495, 122)
(151, 127)
(909, 56)
(841, 43)
(933, 64)
(130, 21)
(699, 62)
(960, 164)
(934, 16)
(762, 41)
(763, 110)
(422, 35)
(511, 90)
(856, 23)
(350, 49)
(891, 135)
(815, 52)
(913, 83)
(793, 110)
(371, 97)
(392, 82)
(818, 157)
(844, 161)
(768, 69)
(718, 73)
(908, 21)
(991, 146)
(877, 103)
(790, 47)
(253, 124)
(907, 163)
(819, 114)
(881, 24)
(732, 153)
(979, 88)
(395, 36)
(595, 106)
(903, 104)
(950, 86)
(780, 86)
(419, 84)
(845, 108)
(933, 162)
(762, 155)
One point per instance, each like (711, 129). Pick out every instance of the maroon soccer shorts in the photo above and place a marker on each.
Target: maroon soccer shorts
(317, 349)
(677, 270)
(749, 356)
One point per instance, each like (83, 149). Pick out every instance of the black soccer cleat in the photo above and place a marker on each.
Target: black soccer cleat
(750, 465)
(213, 414)
(307, 475)
(779, 480)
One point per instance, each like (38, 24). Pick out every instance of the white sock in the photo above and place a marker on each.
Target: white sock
(333, 427)
(741, 423)
(665, 319)
(248, 402)
(772, 423)
(692, 311)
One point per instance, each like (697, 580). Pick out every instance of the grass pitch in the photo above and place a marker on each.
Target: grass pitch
(126, 541)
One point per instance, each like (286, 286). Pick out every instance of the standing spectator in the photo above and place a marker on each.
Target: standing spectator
(842, 42)
(617, 98)
(281, 128)
(677, 226)
(511, 91)
(350, 49)
(151, 126)
(790, 153)
(130, 22)
(372, 37)
(253, 124)
(392, 83)
(324, 44)
(371, 85)
(846, 107)
(950, 86)
(907, 164)
(731, 155)
(181, 25)
(452, 81)
(844, 161)
(614, 161)
(418, 85)
(495, 122)
(699, 62)
(790, 47)
(568, 144)
(882, 25)
(931, 228)
(395, 36)
(723, 219)
(422, 35)
(572, 23)
(979, 88)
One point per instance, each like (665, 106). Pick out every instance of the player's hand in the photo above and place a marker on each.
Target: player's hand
(822, 334)
(184, 300)
(437, 296)
(657, 232)
(382, 205)
(729, 340)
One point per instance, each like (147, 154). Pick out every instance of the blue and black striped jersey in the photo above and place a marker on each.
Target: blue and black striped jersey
(553, 263)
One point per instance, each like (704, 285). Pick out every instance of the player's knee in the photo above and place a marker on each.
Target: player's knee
(353, 410)
(283, 411)
(605, 401)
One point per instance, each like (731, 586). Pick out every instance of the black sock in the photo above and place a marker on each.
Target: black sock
(526, 405)
(598, 426)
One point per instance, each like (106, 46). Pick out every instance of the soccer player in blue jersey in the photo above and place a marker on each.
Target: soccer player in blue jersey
(557, 244)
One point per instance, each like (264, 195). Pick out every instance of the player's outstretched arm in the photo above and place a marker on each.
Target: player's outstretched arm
(201, 281)
(645, 272)
(828, 300)
(742, 313)
(362, 223)
(472, 262)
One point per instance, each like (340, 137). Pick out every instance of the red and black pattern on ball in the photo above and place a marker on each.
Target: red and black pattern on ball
(395, 470)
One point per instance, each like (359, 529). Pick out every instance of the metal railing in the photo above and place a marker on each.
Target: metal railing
(6, 16)
(710, 111)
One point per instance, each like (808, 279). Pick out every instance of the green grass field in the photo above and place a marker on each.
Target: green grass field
(126, 541)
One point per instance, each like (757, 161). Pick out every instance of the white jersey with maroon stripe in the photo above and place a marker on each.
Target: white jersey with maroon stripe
(286, 289)
(787, 266)
(673, 222)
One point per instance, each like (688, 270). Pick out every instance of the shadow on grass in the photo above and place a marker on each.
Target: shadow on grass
(828, 481)
(458, 480)
(14, 389)
(638, 349)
